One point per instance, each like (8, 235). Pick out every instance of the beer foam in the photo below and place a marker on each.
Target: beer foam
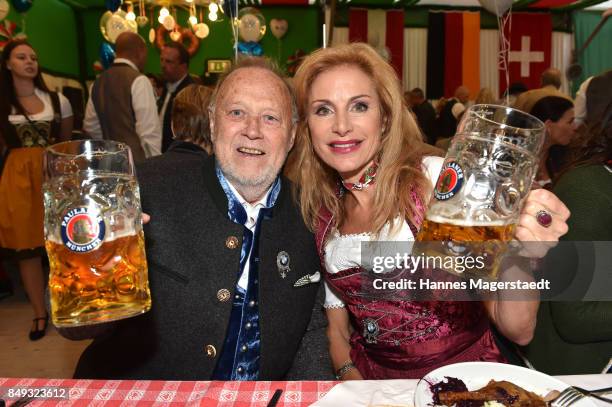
(465, 222)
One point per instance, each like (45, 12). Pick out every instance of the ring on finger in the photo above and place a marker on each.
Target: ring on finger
(544, 218)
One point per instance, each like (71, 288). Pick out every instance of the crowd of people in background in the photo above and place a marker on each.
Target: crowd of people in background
(179, 119)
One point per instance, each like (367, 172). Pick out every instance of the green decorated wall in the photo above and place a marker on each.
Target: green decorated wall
(67, 39)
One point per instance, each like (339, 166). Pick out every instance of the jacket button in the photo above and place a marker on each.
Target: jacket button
(231, 242)
(223, 295)
(211, 351)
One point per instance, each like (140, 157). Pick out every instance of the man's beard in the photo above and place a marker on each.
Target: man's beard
(250, 187)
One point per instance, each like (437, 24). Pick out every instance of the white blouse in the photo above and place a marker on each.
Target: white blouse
(344, 251)
(46, 114)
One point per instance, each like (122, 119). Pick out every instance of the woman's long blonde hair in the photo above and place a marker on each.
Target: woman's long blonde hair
(399, 177)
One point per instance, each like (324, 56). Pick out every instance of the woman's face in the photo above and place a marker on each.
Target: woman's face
(345, 120)
(23, 62)
(562, 131)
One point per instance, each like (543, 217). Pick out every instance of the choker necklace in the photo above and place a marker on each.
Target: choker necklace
(366, 179)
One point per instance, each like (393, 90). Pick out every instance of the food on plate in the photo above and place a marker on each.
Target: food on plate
(454, 392)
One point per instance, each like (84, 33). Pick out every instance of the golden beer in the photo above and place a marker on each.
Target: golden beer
(93, 234)
(485, 242)
(84, 287)
(434, 231)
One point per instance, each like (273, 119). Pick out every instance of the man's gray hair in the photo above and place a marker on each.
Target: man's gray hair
(260, 63)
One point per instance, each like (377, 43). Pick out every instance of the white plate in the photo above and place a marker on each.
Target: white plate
(369, 393)
(476, 375)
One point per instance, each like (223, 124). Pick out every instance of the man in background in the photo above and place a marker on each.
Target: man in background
(452, 112)
(551, 83)
(424, 112)
(174, 60)
(122, 103)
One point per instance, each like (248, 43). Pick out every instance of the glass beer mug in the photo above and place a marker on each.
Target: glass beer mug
(487, 173)
(93, 233)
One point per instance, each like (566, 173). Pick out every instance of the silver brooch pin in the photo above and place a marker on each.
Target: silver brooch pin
(308, 279)
(370, 330)
(282, 262)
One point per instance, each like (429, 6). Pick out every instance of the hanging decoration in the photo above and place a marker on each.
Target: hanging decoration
(230, 8)
(97, 66)
(107, 55)
(185, 36)
(113, 24)
(496, 7)
(8, 32)
(152, 30)
(251, 28)
(4, 9)
(279, 29)
(201, 30)
(294, 61)
(112, 5)
(142, 18)
(22, 5)
(250, 48)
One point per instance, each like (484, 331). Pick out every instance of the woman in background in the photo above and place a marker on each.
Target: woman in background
(581, 331)
(190, 122)
(557, 113)
(484, 97)
(363, 175)
(31, 118)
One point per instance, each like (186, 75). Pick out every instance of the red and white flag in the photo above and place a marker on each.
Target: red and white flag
(382, 29)
(530, 36)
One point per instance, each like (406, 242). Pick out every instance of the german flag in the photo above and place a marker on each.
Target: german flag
(453, 53)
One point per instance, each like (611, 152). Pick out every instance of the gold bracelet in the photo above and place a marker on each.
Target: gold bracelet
(344, 369)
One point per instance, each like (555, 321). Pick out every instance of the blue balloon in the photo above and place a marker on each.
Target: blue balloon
(113, 5)
(230, 8)
(107, 54)
(250, 48)
(22, 5)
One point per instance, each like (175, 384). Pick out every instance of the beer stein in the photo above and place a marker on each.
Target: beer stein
(485, 178)
(93, 233)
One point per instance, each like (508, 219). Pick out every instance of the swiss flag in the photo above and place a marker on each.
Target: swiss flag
(530, 36)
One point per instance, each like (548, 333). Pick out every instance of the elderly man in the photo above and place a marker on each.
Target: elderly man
(233, 270)
(551, 83)
(122, 103)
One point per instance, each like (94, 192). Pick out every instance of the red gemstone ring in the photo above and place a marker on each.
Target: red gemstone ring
(544, 218)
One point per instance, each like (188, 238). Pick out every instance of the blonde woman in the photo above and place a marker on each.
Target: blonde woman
(362, 175)
(484, 97)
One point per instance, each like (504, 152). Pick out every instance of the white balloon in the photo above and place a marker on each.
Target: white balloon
(169, 23)
(117, 24)
(497, 7)
(201, 30)
(4, 9)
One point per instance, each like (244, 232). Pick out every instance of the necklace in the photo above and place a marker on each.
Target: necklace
(366, 179)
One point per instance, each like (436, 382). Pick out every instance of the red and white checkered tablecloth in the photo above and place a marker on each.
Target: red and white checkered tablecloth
(172, 393)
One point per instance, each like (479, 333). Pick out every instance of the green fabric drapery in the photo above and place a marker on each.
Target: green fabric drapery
(597, 58)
